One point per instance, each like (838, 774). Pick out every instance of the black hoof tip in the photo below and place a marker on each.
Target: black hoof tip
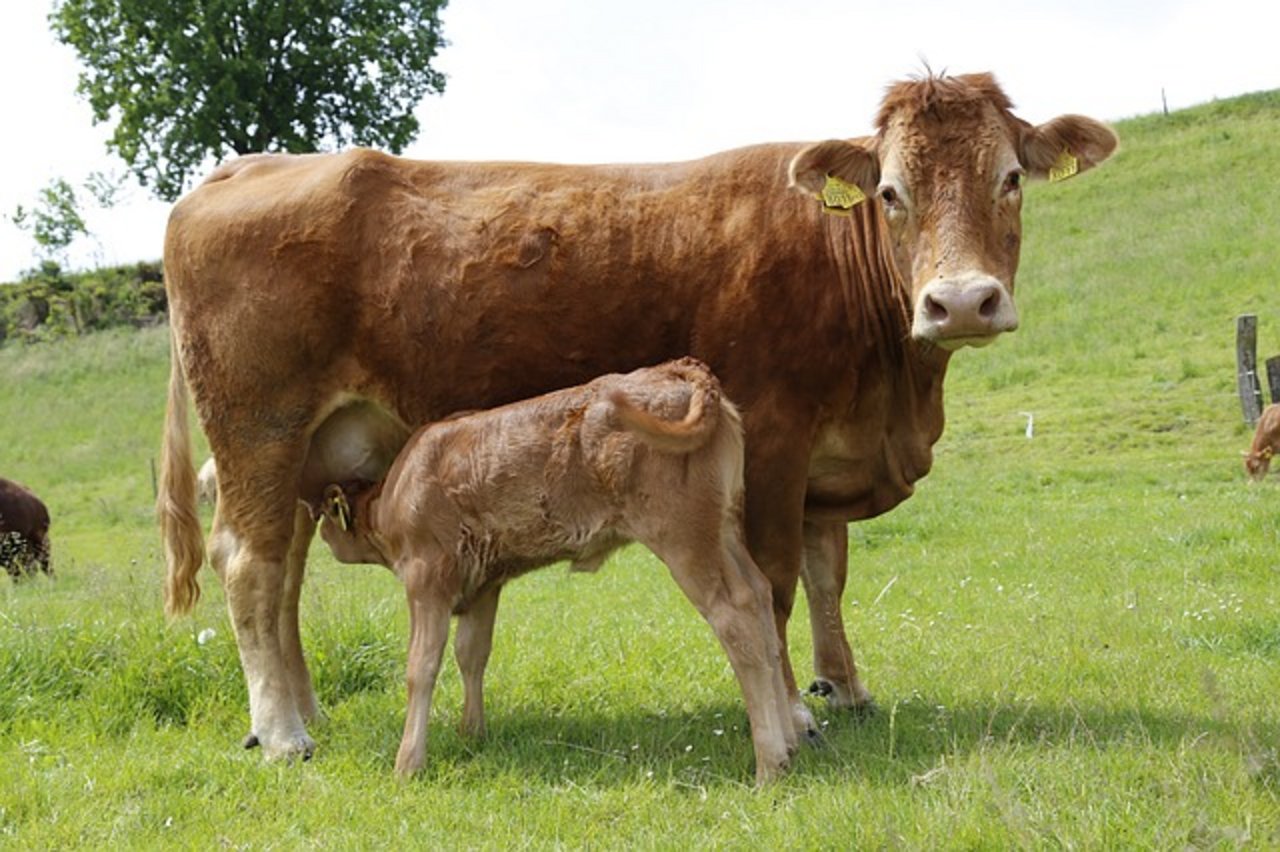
(250, 741)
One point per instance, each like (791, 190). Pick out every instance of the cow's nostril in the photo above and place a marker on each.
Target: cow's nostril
(989, 306)
(934, 310)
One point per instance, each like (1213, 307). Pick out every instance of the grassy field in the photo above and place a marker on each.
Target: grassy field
(1074, 639)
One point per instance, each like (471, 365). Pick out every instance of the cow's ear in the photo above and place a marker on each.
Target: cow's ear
(1066, 146)
(838, 172)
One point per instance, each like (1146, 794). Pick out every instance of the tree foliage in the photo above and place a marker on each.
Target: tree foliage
(186, 80)
(55, 220)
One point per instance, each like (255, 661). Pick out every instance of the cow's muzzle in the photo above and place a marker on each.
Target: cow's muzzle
(963, 310)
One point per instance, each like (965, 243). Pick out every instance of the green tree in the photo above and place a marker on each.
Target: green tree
(54, 221)
(186, 80)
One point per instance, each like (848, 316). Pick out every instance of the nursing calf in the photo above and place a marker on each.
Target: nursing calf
(654, 456)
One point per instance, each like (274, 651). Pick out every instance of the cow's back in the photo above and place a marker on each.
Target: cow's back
(434, 287)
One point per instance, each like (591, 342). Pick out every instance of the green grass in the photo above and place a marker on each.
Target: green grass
(1074, 639)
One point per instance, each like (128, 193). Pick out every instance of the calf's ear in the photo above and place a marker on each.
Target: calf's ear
(336, 507)
(1065, 146)
(839, 173)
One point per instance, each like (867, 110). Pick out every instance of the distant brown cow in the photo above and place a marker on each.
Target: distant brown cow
(357, 296)
(24, 531)
(653, 456)
(1266, 441)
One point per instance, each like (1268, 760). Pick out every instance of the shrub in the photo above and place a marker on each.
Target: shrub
(48, 303)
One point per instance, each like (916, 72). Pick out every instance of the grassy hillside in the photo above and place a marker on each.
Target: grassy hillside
(1074, 639)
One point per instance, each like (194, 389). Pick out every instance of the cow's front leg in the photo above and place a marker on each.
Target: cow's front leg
(774, 519)
(826, 565)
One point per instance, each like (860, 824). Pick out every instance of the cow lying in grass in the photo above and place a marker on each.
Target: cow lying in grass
(1266, 441)
(24, 531)
(654, 456)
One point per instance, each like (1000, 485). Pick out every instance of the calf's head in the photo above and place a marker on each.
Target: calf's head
(344, 512)
(1257, 463)
(946, 169)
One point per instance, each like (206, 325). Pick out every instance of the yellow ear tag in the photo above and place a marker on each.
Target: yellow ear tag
(342, 510)
(1064, 167)
(839, 196)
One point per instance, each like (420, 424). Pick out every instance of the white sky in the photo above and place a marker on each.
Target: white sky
(600, 81)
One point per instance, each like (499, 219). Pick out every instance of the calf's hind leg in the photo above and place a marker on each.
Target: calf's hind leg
(725, 597)
(472, 645)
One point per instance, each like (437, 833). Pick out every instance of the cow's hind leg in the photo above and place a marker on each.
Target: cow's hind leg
(429, 610)
(728, 599)
(472, 645)
(290, 638)
(826, 565)
(250, 558)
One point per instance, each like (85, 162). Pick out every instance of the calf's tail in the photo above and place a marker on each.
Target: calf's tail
(674, 436)
(176, 501)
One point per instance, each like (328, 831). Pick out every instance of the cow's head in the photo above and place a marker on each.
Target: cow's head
(947, 168)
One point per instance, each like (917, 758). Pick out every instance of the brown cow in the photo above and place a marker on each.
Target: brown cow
(1266, 441)
(358, 295)
(654, 456)
(24, 531)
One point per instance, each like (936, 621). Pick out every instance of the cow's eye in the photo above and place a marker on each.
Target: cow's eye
(888, 196)
(1013, 182)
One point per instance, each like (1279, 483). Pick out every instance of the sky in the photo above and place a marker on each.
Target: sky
(608, 81)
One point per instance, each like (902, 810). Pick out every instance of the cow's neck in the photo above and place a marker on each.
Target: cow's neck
(876, 441)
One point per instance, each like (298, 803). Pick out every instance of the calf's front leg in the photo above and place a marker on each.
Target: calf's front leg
(429, 610)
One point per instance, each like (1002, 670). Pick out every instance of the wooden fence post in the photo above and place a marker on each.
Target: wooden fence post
(1273, 377)
(1247, 368)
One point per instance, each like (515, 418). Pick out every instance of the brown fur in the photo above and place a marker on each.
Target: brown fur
(1266, 442)
(24, 531)
(653, 456)
(302, 286)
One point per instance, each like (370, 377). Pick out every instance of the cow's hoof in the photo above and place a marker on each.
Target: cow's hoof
(822, 688)
(841, 697)
(297, 747)
(250, 741)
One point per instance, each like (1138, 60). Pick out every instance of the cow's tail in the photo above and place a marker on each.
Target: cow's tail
(674, 436)
(176, 501)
